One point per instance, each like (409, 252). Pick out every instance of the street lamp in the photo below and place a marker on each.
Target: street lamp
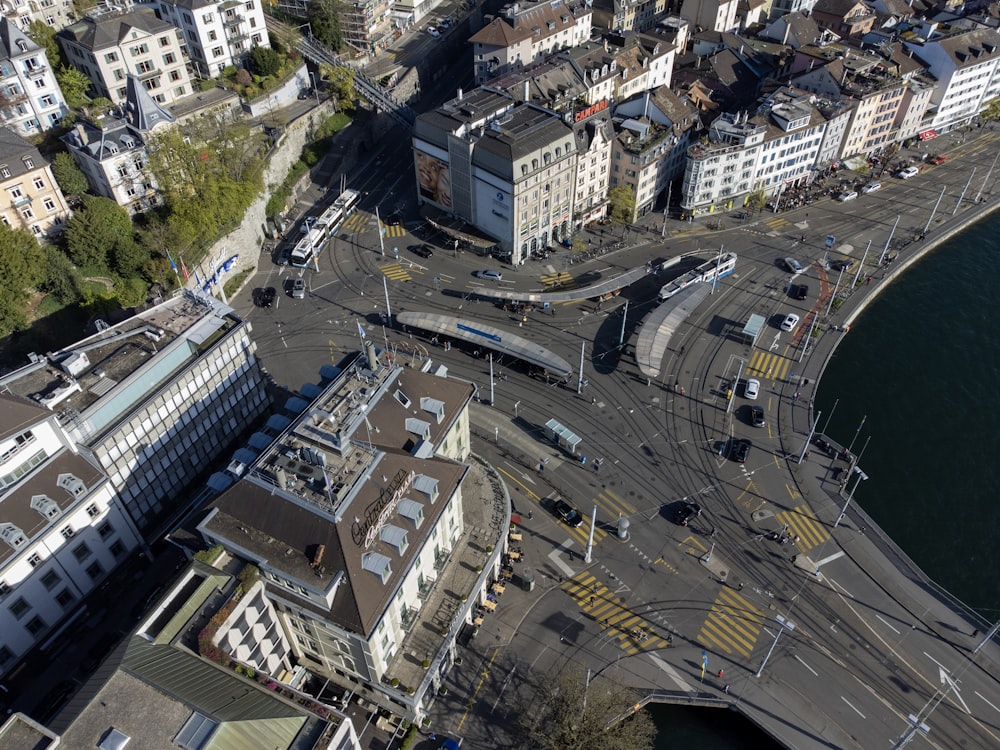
(315, 85)
(861, 476)
(785, 625)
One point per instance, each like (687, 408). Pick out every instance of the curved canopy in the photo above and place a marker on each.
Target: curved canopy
(605, 286)
(659, 326)
(488, 337)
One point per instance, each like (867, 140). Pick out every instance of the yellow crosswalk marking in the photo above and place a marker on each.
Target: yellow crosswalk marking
(768, 365)
(777, 223)
(561, 279)
(356, 222)
(396, 272)
(582, 532)
(395, 230)
(631, 632)
(732, 625)
(802, 523)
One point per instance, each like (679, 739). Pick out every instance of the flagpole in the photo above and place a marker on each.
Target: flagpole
(857, 432)
(361, 335)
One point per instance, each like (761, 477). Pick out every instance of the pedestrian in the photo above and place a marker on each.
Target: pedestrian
(726, 689)
(531, 514)
(552, 310)
(593, 400)
(740, 587)
(592, 600)
(795, 396)
(719, 675)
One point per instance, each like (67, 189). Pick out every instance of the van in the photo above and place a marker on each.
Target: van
(490, 275)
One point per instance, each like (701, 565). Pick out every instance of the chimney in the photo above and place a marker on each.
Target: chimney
(373, 363)
(526, 90)
(81, 134)
(459, 97)
(784, 36)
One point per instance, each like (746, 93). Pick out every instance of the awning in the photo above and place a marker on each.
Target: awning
(927, 135)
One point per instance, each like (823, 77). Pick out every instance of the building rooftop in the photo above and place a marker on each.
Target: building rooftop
(97, 379)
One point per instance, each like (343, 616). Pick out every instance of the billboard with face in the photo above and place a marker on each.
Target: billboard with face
(433, 180)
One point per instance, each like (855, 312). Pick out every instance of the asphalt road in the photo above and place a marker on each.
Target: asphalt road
(870, 646)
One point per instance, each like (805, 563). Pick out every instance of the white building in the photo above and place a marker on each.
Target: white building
(54, 13)
(965, 66)
(110, 46)
(712, 15)
(31, 101)
(217, 33)
(62, 528)
(354, 515)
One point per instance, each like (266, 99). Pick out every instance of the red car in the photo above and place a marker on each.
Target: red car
(938, 159)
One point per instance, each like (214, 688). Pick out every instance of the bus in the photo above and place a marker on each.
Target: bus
(309, 247)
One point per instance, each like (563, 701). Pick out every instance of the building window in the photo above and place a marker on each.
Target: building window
(19, 608)
(216, 51)
(29, 163)
(94, 570)
(93, 511)
(34, 560)
(164, 41)
(4, 172)
(39, 83)
(39, 183)
(139, 49)
(105, 529)
(64, 598)
(117, 549)
(50, 205)
(72, 484)
(111, 57)
(50, 580)
(4, 588)
(35, 625)
(81, 552)
(169, 59)
(146, 66)
(12, 535)
(5, 655)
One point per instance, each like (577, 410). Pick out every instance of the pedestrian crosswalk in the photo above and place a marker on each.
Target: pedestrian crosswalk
(776, 224)
(356, 222)
(394, 230)
(732, 625)
(610, 507)
(803, 527)
(631, 632)
(768, 365)
(561, 280)
(396, 272)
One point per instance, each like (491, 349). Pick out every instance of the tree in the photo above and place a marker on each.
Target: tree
(621, 199)
(324, 20)
(97, 231)
(74, 85)
(22, 267)
(569, 713)
(45, 37)
(263, 61)
(60, 276)
(991, 111)
(340, 82)
(757, 199)
(71, 179)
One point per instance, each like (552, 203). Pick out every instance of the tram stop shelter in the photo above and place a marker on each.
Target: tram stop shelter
(562, 436)
(661, 324)
(751, 331)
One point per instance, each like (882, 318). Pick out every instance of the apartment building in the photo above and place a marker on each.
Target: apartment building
(354, 515)
(367, 25)
(217, 33)
(54, 13)
(112, 152)
(62, 527)
(712, 15)
(30, 199)
(107, 47)
(525, 34)
(628, 15)
(31, 101)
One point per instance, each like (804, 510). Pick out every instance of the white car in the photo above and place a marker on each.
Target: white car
(871, 187)
(791, 265)
(788, 324)
(908, 173)
(432, 30)
(848, 196)
(752, 388)
(308, 223)
(490, 275)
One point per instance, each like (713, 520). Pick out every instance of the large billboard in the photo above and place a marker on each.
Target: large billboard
(433, 180)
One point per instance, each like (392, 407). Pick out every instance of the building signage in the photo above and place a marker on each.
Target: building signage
(477, 332)
(364, 532)
(591, 111)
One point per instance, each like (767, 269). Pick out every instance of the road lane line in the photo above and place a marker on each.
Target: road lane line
(831, 558)
(799, 660)
(841, 588)
(672, 674)
(472, 698)
(884, 622)
(853, 707)
(987, 702)
(940, 665)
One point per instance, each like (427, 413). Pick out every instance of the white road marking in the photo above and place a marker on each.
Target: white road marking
(841, 588)
(831, 558)
(988, 703)
(524, 476)
(672, 674)
(940, 665)
(885, 622)
(555, 557)
(799, 660)
(855, 709)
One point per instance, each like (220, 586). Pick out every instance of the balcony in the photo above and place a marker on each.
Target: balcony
(151, 73)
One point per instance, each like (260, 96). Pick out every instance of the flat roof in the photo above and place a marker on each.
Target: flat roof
(660, 325)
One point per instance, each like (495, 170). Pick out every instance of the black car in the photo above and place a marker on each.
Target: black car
(740, 450)
(568, 513)
(757, 416)
(55, 699)
(264, 297)
(686, 513)
(423, 251)
(799, 291)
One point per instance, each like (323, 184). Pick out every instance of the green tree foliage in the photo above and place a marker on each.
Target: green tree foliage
(74, 86)
(263, 61)
(71, 179)
(991, 111)
(569, 713)
(757, 199)
(324, 20)
(45, 37)
(97, 232)
(621, 199)
(22, 267)
(61, 278)
(340, 83)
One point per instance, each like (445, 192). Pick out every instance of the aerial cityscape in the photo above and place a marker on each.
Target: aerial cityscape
(395, 375)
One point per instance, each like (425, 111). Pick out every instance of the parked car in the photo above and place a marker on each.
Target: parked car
(306, 93)
(490, 275)
(422, 251)
(848, 196)
(567, 513)
(298, 289)
(871, 187)
(788, 324)
(752, 388)
(845, 264)
(908, 173)
(757, 416)
(791, 265)
(307, 223)
(938, 159)
(264, 297)
(740, 450)
(432, 30)
(686, 512)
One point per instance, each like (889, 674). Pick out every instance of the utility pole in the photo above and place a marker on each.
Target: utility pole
(718, 264)
(388, 310)
(959, 204)
(987, 179)
(381, 241)
(862, 263)
(809, 437)
(886, 248)
(579, 382)
(621, 336)
(934, 210)
(834, 295)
